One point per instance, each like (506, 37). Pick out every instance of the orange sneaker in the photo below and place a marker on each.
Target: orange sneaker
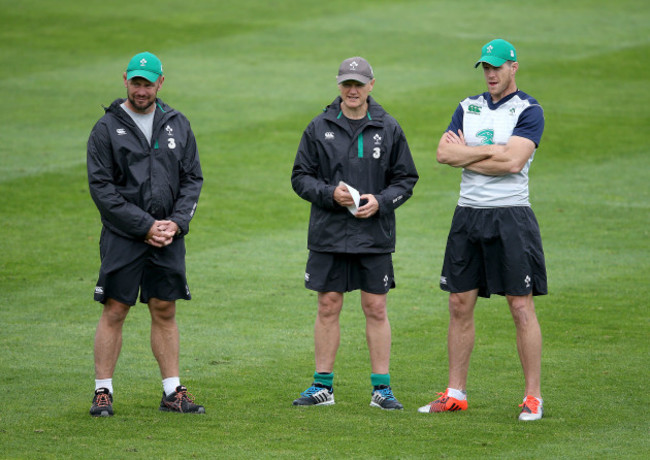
(444, 404)
(531, 409)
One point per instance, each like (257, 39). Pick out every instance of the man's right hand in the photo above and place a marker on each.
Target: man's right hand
(161, 233)
(342, 196)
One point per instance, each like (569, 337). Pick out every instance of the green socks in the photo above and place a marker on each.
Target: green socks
(380, 379)
(328, 379)
(324, 379)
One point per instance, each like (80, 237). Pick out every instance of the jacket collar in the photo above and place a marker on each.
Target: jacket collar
(161, 108)
(161, 113)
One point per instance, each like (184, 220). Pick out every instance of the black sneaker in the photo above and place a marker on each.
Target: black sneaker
(382, 396)
(316, 395)
(102, 403)
(180, 401)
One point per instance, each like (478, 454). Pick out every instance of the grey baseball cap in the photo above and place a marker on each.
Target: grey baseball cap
(355, 68)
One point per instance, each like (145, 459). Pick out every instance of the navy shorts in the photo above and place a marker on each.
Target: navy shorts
(495, 250)
(332, 272)
(129, 266)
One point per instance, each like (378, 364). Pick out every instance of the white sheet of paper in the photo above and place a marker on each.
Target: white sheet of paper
(355, 196)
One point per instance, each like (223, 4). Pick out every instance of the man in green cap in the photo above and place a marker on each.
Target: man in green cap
(494, 245)
(145, 178)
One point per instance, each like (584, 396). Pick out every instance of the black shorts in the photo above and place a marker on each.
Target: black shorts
(332, 272)
(497, 250)
(129, 266)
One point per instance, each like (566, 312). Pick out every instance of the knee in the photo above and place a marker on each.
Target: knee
(522, 310)
(460, 307)
(376, 311)
(162, 310)
(115, 312)
(329, 307)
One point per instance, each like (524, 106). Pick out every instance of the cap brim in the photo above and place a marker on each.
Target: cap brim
(492, 60)
(151, 76)
(353, 76)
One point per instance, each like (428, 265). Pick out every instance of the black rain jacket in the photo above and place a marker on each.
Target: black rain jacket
(375, 160)
(134, 183)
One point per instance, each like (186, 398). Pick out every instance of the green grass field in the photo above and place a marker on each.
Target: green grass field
(250, 75)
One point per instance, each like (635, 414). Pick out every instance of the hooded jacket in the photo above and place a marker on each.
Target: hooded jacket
(134, 183)
(375, 160)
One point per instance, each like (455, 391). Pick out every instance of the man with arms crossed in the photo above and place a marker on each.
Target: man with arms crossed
(145, 178)
(494, 245)
(353, 142)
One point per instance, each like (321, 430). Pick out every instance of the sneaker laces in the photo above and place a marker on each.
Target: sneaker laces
(184, 395)
(441, 399)
(530, 404)
(386, 392)
(312, 390)
(180, 397)
(102, 400)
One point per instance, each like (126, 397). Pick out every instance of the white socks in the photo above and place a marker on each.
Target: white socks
(170, 384)
(104, 383)
(458, 394)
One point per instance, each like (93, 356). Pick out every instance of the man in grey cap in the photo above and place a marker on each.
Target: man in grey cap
(145, 179)
(355, 168)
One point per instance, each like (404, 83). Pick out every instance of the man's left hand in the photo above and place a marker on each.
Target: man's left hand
(368, 209)
(162, 233)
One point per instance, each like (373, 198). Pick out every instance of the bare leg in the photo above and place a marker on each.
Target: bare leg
(378, 333)
(165, 341)
(327, 332)
(108, 338)
(529, 341)
(460, 338)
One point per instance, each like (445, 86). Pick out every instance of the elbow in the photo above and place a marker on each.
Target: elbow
(441, 156)
(295, 181)
(447, 154)
(516, 168)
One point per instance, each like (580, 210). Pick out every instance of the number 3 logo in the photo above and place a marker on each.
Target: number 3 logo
(171, 143)
(376, 152)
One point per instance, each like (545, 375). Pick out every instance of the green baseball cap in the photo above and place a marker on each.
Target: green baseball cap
(497, 52)
(145, 65)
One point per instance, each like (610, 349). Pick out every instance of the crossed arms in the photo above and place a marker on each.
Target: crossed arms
(490, 160)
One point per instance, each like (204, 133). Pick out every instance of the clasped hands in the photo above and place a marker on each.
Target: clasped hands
(161, 233)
